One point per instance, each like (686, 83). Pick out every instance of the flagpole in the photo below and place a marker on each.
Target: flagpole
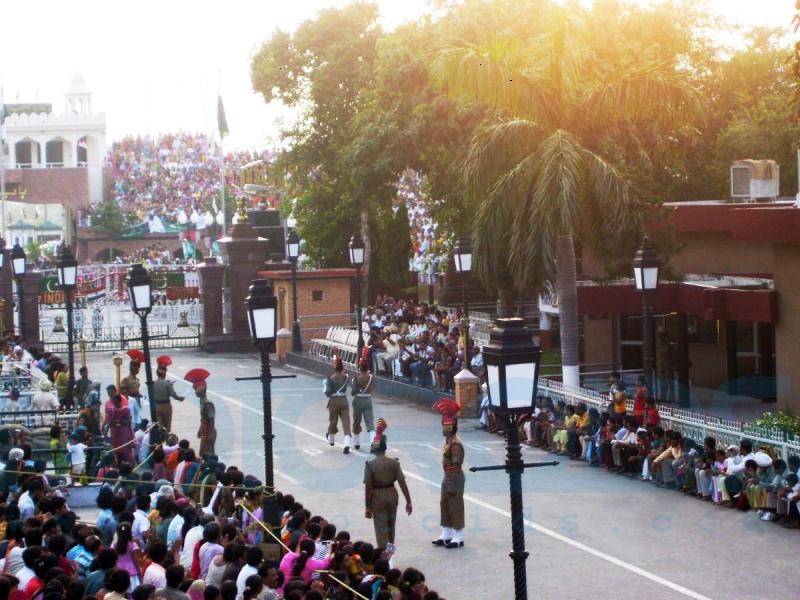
(221, 160)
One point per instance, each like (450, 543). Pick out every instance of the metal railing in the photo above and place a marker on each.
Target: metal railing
(108, 339)
(40, 418)
(690, 424)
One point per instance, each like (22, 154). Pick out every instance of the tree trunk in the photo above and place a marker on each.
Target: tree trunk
(365, 236)
(505, 302)
(567, 286)
(110, 242)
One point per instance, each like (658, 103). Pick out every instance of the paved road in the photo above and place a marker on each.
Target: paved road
(590, 534)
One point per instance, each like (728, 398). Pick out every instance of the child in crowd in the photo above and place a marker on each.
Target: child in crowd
(77, 455)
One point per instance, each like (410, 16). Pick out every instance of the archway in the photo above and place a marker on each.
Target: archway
(27, 152)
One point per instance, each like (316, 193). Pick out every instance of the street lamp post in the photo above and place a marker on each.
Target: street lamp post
(18, 269)
(293, 253)
(357, 252)
(140, 292)
(462, 257)
(512, 368)
(262, 318)
(645, 275)
(67, 270)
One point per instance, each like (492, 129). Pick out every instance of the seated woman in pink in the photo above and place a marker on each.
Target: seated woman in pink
(302, 563)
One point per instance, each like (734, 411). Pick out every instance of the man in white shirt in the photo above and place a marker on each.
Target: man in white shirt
(194, 535)
(28, 500)
(253, 556)
(26, 573)
(44, 399)
(141, 522)
(155, 573)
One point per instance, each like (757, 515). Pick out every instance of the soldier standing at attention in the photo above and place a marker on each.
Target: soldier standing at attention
(380, 495)
(451, 502)
(130, 386)
(362, 404)
(336, 391)
(207, 432)
(163, 390)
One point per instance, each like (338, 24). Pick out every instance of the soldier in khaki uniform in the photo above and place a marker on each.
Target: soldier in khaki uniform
(163, 391)
(207, 432)
(362, 404)
(451, 501)
(336, 391)
(380, 495)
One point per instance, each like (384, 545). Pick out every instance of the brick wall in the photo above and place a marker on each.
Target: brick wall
(316, 316)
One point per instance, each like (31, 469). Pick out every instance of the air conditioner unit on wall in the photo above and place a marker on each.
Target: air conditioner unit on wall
(755, 179)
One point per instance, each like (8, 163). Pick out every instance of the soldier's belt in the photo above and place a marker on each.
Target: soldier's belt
(449, 468)
(382, 486)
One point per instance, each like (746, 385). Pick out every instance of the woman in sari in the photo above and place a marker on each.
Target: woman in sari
(119, 428)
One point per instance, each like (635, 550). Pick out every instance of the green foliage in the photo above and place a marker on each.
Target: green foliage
(108, 218)
(33, 250)
(785, 422)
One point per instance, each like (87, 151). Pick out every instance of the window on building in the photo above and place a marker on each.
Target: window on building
(316, 296)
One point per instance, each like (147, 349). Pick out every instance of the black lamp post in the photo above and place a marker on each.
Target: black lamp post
(645, 275)
(18, 269)
(512, 368)
(462, 258)
(357, 252)
(293, 253)
(262, 317)
(67, 270)
(140, 292)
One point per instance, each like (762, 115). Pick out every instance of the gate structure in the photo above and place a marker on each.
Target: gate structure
(103, 317)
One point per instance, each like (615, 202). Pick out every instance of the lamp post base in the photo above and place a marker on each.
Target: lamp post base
(297, 340)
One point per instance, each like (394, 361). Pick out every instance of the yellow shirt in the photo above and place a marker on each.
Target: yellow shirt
(584, 420)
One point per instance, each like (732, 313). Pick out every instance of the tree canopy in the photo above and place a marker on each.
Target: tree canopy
(484, 80)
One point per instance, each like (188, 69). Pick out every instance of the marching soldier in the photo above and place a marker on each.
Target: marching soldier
(362, 404)
(451, 502)
(336, 391)
(207, 433)
(130, 386)
(380, 495)
(163, 390)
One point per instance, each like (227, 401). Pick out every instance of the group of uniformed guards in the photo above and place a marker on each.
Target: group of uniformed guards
(380, 472)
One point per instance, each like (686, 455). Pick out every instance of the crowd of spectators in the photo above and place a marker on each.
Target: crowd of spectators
(635, 444)
(417, 343)
(179, 528)
(428, 252)
(169, 179)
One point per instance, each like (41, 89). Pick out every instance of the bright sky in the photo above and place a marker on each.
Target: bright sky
(153, 64)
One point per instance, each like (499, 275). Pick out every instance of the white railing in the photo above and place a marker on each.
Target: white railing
(691, 424)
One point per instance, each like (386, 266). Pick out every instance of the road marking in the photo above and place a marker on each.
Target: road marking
(288, 478)
(504, 513)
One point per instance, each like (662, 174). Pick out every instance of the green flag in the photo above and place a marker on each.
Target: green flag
(222, 123)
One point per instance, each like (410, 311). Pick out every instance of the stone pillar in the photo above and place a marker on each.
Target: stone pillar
(467, 393)
(212, 280)
(244, 254)
(283, 344)
(7, 295)
(30, 287)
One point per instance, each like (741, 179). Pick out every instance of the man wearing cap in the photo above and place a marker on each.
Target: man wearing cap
(163, 390)
(380, 495)
(44, 399)
(207, 433)
(451, 501)
(130, 386)
(336, 391)
(362, 404)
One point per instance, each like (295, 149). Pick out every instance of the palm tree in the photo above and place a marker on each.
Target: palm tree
(536, 167)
